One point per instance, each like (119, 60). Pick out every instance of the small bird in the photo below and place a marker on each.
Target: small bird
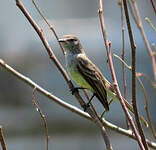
(84, 72)
(87, 75)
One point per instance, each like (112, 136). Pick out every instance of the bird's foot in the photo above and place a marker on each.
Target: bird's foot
(86, 106)
(106, 110)
(75, 89)
(102, 114)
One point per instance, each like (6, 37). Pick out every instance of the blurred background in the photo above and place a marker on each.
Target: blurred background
(21, 48)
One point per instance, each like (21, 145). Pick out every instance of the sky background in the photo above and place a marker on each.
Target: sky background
(21, 48)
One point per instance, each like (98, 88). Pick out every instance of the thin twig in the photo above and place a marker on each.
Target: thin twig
(50, 26)
(142, 74)
(145, 38)
(43, 39)
(146, 106)
(132, 12)
(41, 90)
(153, 5)
(68, 106)
(154, 47)
(150, 23)
(116, 87)
(42, 116)
(2, 139)
(64, 73)
(149, 80)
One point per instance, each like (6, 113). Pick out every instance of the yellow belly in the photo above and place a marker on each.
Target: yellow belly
(78, 78)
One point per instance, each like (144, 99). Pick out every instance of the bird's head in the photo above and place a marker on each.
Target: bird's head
(71, 44)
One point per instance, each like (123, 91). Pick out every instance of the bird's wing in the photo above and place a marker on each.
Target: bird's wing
(94, 78)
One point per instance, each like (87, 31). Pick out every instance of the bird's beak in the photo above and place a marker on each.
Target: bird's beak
(61, 40)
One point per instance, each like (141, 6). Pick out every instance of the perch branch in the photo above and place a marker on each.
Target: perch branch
(68, 106)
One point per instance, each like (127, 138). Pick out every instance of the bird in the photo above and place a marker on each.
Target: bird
(84, 72)
(87, 75)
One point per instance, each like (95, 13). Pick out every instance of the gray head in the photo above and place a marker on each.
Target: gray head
(71, 44)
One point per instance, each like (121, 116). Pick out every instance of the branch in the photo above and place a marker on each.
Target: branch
(42, 116)
(64, 73)
(153, 5)
(68, 106)
(127, 133)
(133, 49)
(149, 80)
(150, 23)
(2, 139)
(43, 91)
(146, 106)
(116, 87)
(50, 26)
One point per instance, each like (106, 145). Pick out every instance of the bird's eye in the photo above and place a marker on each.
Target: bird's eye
(76, 42)
(72, 40)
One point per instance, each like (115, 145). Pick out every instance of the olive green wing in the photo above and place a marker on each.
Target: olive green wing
(94, 78)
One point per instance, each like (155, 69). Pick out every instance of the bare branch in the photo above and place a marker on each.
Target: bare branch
(2, 139)
(43, 39)
(146, 107)
(128, 133)
(43, 91)
(150, 23)
(50, 26)
(42, 116)
(153, 5)
(149, 80)
(132, 12)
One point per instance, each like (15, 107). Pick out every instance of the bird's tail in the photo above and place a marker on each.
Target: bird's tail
(103, 101)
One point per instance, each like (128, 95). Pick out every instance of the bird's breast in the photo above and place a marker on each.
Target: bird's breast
(71, 64)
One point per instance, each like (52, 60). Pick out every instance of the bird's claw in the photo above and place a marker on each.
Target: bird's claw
(86, 106)
(73, 90)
